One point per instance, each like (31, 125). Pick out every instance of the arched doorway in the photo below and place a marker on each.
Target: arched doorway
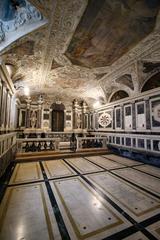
(57, 117)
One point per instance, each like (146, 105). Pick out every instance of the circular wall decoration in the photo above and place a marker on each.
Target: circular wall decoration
(156, 113)
(104, 119)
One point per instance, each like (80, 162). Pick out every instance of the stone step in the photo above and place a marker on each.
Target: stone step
(48, 155)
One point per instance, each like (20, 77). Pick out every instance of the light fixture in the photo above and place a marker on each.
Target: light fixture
(26, 91)
(96, 104)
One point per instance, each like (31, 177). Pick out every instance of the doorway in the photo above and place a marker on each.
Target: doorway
(58, 117)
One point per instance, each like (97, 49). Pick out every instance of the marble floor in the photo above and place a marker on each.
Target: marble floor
(90, 198)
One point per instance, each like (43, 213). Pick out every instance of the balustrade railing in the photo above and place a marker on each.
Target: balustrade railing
(148, 143)
(7, 141)
(91, 142)
(7, 150)
(37, 144)
(64, 136)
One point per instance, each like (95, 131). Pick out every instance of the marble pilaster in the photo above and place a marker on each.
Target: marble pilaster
(148, 119)
(39, 113)
(6, 110)
(133, 116)
(28, 113)
(122, 109)
(3, 110)
(75, 111)
(84, 110)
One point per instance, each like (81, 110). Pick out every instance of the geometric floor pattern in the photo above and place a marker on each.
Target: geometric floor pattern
(90, 198)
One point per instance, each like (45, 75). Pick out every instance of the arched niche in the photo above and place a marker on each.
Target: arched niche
(151, 83)
(57, 118)
(118, 95)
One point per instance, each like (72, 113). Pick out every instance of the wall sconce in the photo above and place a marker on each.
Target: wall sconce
(26, 91)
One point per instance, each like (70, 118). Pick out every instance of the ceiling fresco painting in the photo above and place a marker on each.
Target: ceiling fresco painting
(109, 28)
(18, 18)
(26, 48)
(67, 49)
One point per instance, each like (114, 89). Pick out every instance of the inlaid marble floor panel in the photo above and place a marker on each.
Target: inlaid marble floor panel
(137, 236)
(57, 168)
(26, 172)
(26, 213)
(86, 214)
(82, 165)
(122, 160)
(105, 163)
(155, 229)
(77, 199)
(142, 179)
(155, 171)
(137, 203)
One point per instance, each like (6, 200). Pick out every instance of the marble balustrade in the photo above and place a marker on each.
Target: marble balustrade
(91, 142)
(7, 150)
(141, 142)
(8, 106)
(64, 136)
(37, 144)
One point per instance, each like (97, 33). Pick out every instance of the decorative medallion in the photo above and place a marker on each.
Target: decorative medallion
(105, 119)
(156, 113)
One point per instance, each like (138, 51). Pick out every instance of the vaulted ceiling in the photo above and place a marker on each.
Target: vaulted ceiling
(69, 48)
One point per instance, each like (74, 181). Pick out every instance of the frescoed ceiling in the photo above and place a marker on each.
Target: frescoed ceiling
(108, 29)
(66, 49)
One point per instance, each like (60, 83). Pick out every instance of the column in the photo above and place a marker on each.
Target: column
(18, 117)
(64, 119)
(75, 111)
(9, 111)
(133, 116)
(28, 112)
(3, 110)
(6, 110)
(96, 120)
(122, 107)
(39, 113)
(148, 118)
(114, 118)
(84, 110)
(12, 112)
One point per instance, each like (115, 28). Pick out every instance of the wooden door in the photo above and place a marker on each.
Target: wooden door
(57, 121)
